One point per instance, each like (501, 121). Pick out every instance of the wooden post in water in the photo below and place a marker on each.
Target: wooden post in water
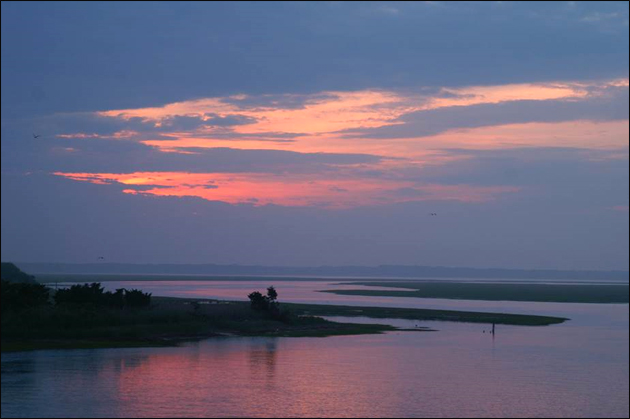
(493, 329)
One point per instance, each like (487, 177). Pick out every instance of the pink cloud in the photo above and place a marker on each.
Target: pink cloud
(316, 124)
(263, 189)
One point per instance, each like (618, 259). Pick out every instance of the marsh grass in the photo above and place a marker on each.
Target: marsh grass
(556, 293)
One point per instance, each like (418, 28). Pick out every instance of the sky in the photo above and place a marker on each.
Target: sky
(316, 133)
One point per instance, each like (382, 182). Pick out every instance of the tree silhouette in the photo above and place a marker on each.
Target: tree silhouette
(269, 305)
(272, 294)
(258, 301)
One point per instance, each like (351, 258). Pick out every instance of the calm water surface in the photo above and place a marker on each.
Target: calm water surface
(577, 369)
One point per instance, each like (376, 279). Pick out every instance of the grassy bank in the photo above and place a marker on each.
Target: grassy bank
(564, 293)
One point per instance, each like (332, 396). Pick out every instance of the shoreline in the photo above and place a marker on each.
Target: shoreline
(173, 321)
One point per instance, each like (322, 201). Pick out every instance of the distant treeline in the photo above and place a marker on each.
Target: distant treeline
(20, 296)
(383, 271)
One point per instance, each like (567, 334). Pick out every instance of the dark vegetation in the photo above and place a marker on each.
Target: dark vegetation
(22, 296)
(269, 305)
(86, 316)
(95, 295)
(564, 293)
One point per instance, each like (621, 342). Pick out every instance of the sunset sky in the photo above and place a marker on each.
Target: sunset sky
(317, 133)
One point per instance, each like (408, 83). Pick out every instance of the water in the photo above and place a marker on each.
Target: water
(577, 369)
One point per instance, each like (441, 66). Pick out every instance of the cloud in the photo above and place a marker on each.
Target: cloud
(610, 103)
(273, 189)
(297, 48)
(565, 170)
(103, 155)
(228, 120)
(321, 122)
(359, 148)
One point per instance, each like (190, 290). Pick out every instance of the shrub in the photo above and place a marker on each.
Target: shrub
(269, 305)
(20, 296)
(95, 295)
(136, 299)
(258, 301)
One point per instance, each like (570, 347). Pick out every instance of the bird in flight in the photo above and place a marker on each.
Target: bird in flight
(36, 136)
(433, 214)
(101, 258)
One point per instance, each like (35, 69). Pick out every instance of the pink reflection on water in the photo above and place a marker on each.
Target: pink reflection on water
(455, 373)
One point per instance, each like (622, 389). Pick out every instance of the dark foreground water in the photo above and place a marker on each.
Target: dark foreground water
(577, 369)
